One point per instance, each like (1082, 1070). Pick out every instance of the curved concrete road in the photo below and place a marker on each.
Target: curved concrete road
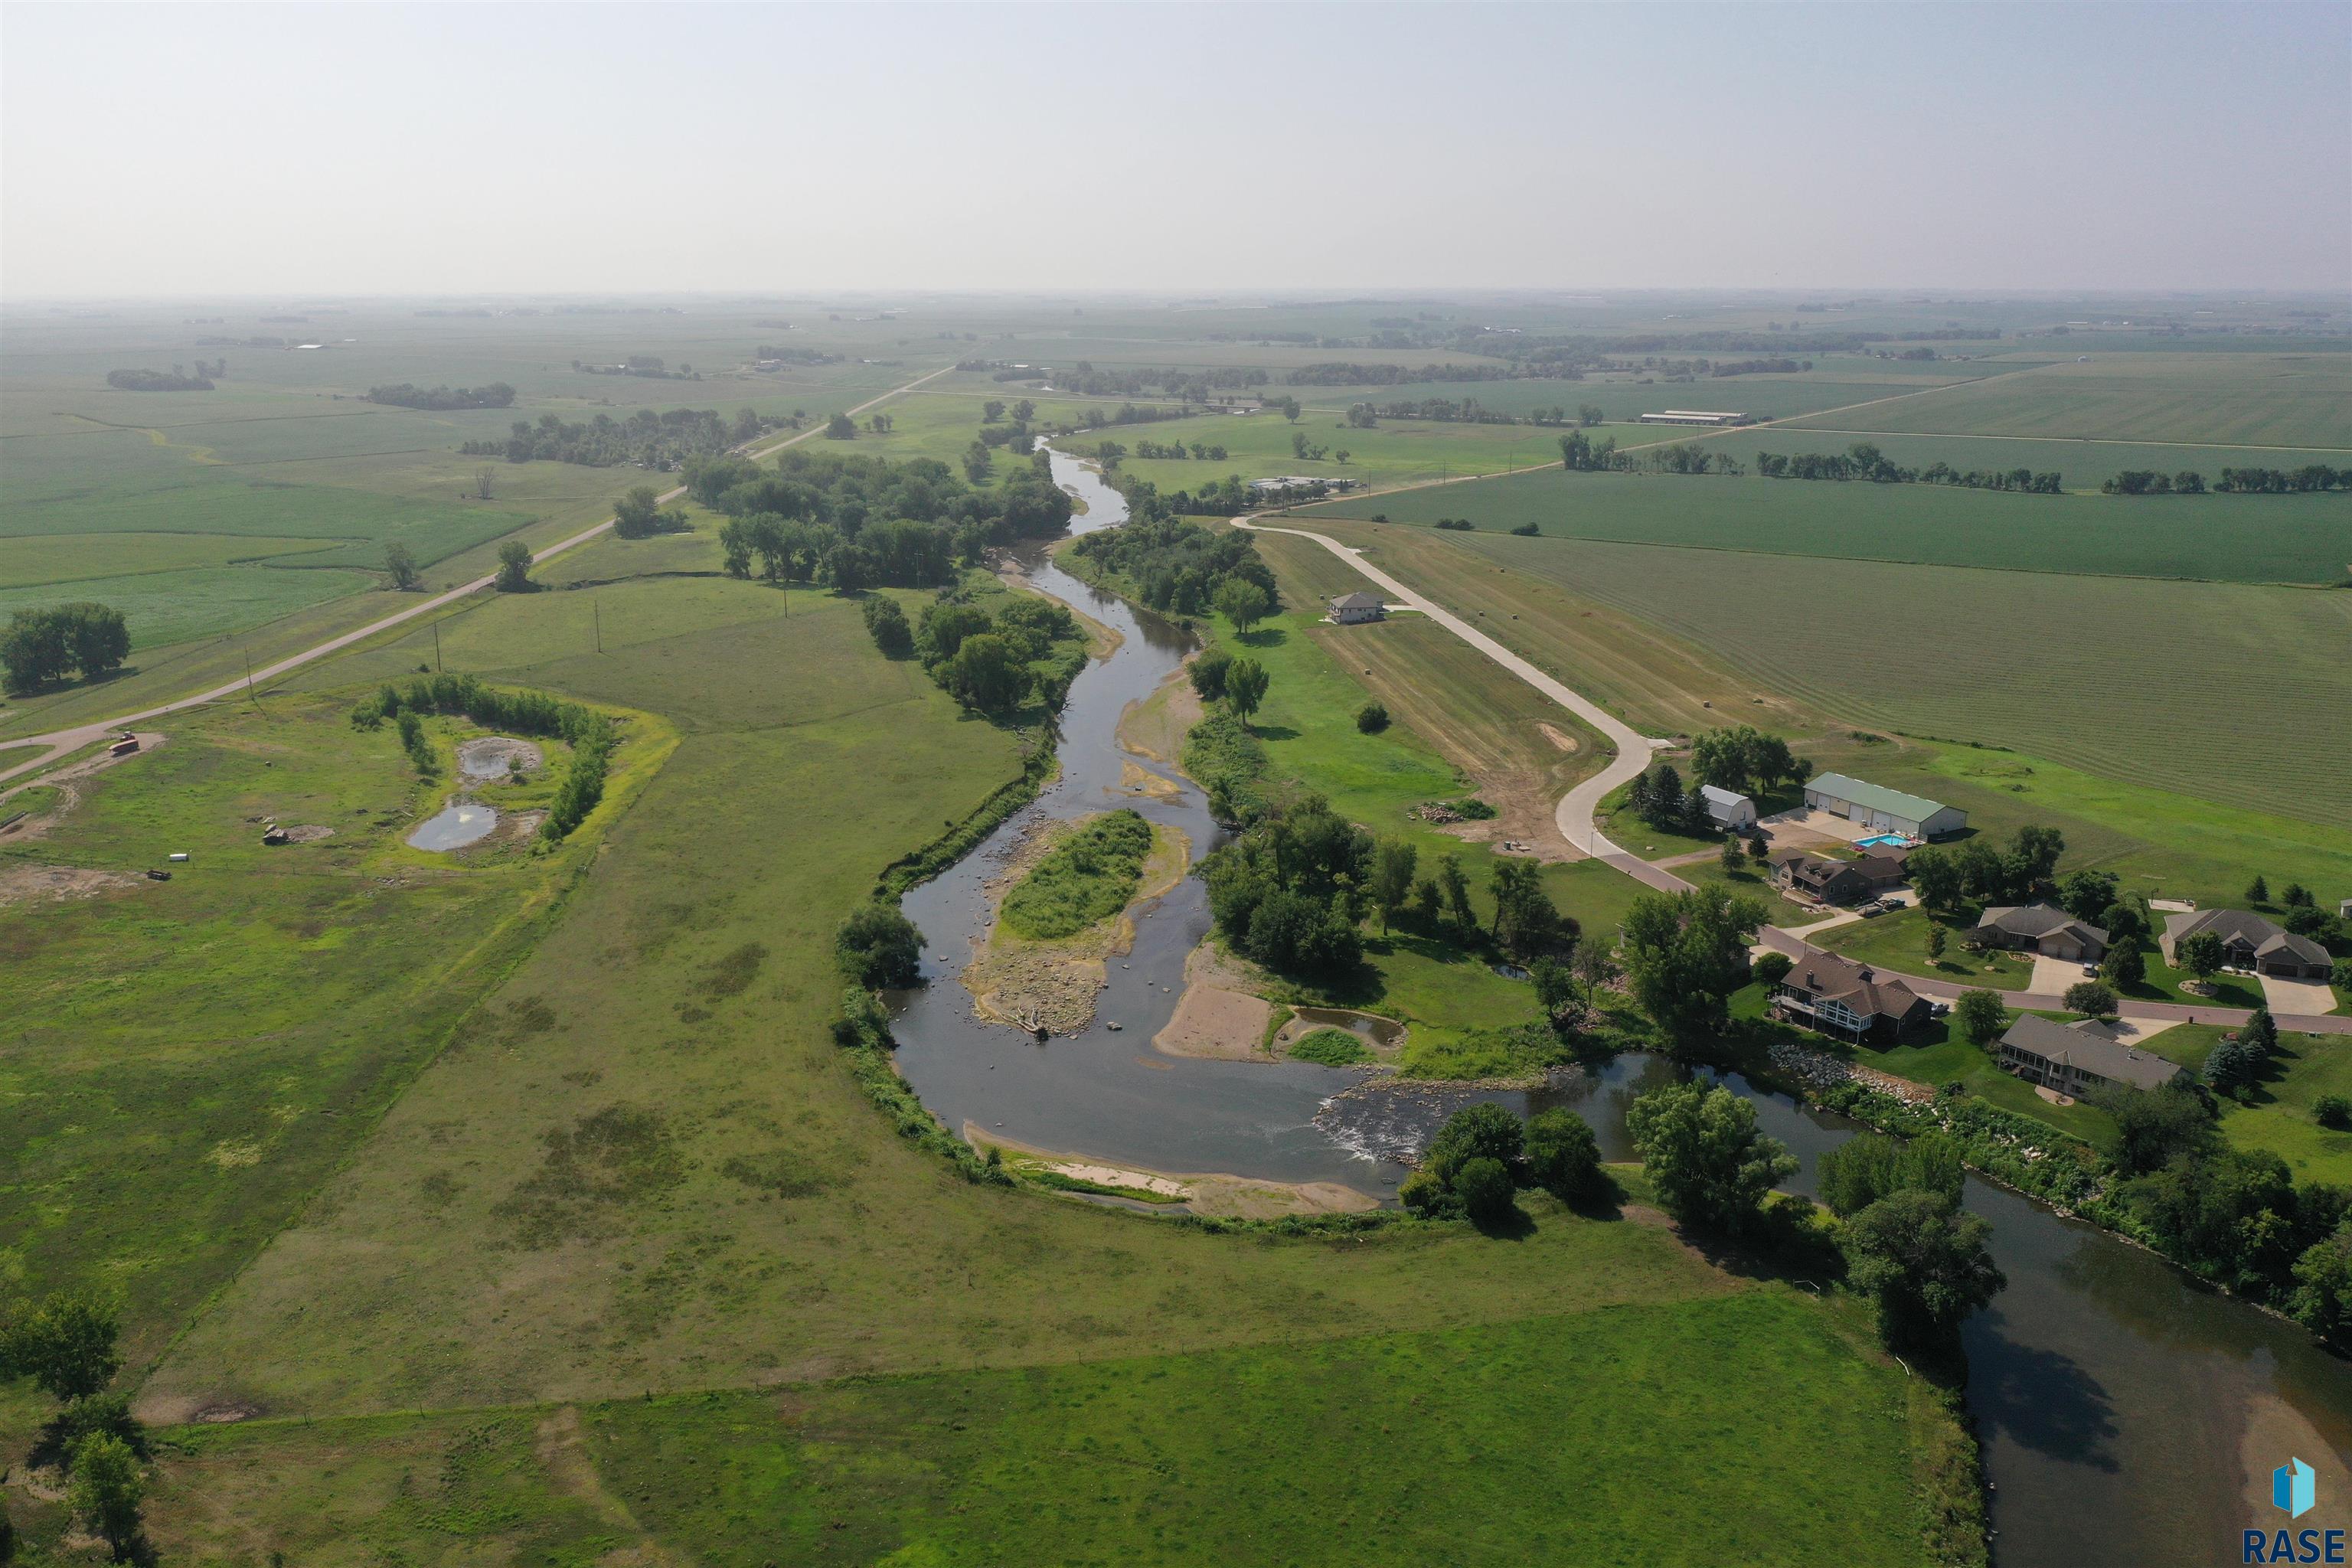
(62, 742)
(1575, 811)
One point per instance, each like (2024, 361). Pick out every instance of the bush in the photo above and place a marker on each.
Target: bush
(877, 947)
(1208, 673)
(1473, 809)
(1089, 877)
(1772, 968)
(2333, 1110)
(1332, 1048)
(1481, 1132)
(1484, 1188)
(2090, 997)
(1527, 531)
(886, 622)
(1563, 1157)
(1371, 718)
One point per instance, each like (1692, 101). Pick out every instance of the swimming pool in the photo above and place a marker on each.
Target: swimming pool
(1893, 839)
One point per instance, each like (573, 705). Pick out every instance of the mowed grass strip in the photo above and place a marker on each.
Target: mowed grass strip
(2221, 691)
(2234, 538)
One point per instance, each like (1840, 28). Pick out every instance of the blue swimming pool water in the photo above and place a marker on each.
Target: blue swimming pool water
(1882, 838)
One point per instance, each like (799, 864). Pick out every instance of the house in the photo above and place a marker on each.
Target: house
(1883, 810)
(2080, 1058)
(1729, 810)
(1840, 997)
(1696, 417)
(2248, 941)
(1348, 609)
(1818, 876)
(2041, 928)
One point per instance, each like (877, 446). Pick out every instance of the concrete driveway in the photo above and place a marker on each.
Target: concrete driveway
(2053, 975)
(2303, 996)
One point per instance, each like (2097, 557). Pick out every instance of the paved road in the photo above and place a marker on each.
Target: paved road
(62, 742)
(1575, 812)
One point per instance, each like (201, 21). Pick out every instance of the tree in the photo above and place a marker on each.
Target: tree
(878, 948)
(1555, 987)
(483, 478)
(841, 428)
(2323, 1296)
(1938, 939)
(1981, 1016)
(2153, 1126)
(514, 568)
(1428, 904)
(1771, 968)
(1925, 1264)
(885, 622)
(2124, 967)
(735, 545)
(2261, 1033)
(1242, 602)
(1563, 1157)
(986, 674)
(1245, 684)
(42, 644)
(2085, 895)
(1871, 1165)
(1526, 921)
(66, 1346)
(2202, 954)
(991, 410)
(1732, 858)
(1484, 1188)
(1594, 965)
(1709, 1166)
(1371, 718)
(2091, 997)
(399, 565)
(107, 1491)
(1456, 884)
(2295, 896)
(1935, 877)
(1685, 954)
(1482, 1132)
(978, 462)
(2232, 1065)
(638, 515)
(1392, 868)
(2258, 892)
(1208, 672)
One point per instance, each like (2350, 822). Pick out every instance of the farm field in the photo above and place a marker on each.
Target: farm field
(2123, 710)
(1395, 451)
(160, 608)
(2271, 400)
(1835, 382)
(30, 562)
(2241, 539)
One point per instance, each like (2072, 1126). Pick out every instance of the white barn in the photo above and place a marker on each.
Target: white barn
(1731, 810)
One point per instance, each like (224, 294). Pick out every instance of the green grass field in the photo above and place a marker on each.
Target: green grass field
(162, 608)
(2237, 539)
(30, 562)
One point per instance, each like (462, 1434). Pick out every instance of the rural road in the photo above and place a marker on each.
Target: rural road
(63, 742)
(1574, 814)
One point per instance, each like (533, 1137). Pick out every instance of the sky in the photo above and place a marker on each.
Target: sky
(199, 150)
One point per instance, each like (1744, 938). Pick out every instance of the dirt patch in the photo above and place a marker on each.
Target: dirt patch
(1214, 1017)
(1143, 780)
(308, 833)
(1560, 737)
(497, 756)
(1155, 726)
(59, 884)
(1052, 985)
(1524, 817)
(27, 828)
(1227, 1197)
(223, 1415)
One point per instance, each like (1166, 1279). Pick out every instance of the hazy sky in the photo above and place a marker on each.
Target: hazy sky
(195, 149)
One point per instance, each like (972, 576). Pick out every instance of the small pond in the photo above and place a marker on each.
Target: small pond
(496, 757)
(454, 826)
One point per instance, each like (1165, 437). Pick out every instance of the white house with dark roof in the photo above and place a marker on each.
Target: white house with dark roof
(1348, 609)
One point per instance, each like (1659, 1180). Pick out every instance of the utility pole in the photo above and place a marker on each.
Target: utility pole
(249, 695)
(596, 608)
(436, 647)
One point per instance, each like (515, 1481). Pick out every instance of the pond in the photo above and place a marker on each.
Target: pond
(2120, 1404)
(454, 826)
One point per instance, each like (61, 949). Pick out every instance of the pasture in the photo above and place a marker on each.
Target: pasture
(2238, 539)
(2149, 690)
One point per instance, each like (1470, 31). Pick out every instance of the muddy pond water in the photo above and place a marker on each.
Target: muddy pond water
(454, 826)
(2122, 1406)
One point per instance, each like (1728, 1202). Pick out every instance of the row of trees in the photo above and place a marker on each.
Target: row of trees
(173, 380)
(661, 441)
(45, 644)
(1863, 461)
(68, 1346)
(1178, 451)
(1743, 758)
(1948, 877)
(496, 395)
(591, 735)
(2305, 480)
(1174, 566)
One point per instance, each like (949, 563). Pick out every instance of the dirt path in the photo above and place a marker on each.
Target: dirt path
(61, 743)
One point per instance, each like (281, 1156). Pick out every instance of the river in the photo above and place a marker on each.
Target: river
(2114, 1395)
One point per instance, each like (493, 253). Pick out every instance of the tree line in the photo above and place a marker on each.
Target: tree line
(1864, 461)
(660, 441)
(1171, 565)
(45, 645)
(172, 380)
(591, 735)
(2308, 480)
(1025, 654)
(496, 395)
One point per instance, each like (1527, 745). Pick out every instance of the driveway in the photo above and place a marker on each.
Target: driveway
(2051, 976)
(2297, 996)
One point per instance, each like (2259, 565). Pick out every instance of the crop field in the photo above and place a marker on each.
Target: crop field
(2269, 400)
(1836, 382)
(2126, 704)
(165, 607)
(34, 561)
(1395, 451)
(2239, 538)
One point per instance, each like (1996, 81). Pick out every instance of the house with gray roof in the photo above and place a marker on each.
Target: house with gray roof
(2248, 941)
(1349, 609)
(2044, 928)
(2080, 1058)
(1882, 810)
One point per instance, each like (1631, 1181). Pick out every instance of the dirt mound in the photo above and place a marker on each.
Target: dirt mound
(309, 833)
(58, 884)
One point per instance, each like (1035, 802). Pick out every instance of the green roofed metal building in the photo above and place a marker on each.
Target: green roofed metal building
(1883, 810)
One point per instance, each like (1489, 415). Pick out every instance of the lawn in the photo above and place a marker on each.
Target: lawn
(2281, 1119)
(1899, 942)
(2122, 712)
(1936, 1055)
(2236, 539)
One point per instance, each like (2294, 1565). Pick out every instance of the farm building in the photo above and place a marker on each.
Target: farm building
(2044, 929)
(1280, 483)
(1840, 997)
(2248, 941)
(1727, 808)
(1884, 810)
(1697, 417)
(1348, 609)
(2080, 1058)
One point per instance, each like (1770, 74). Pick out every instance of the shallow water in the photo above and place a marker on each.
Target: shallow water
(454, 826)
(2110, 1390)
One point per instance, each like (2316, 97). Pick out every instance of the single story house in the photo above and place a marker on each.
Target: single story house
(1729, 810)
(1835, 881)
(2080, 1058)
(1841, 997)
(1883, 810)
(1348, 609)
(2044, 928)
(2248, 941)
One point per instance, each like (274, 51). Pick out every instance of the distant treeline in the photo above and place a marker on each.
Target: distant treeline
(795, 356)
(40, 645)
(1469, 411)
(2305, 480)
(217, 342)
(589, 733)
(171, 380)
(861, 523)
(1766, 366)
(1864, 461)
(1084, 380)
(650, 366)
(498, 395)
(658, 441)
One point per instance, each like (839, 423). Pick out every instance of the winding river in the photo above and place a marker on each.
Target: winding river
(2128, 1416)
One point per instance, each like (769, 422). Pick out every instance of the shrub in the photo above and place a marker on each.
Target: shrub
(1484, 1188)
(2091, 997)
(1527, 531)
(1772, 968)
(877, 947)
(1422, 1193)
(1563, 1157)
(885, 622)
(1089, 877)
(1208, 673)
(1473, 809)
(1332, 1048)
(1481, 1132)
(2333, 1110)
(1371, 718)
